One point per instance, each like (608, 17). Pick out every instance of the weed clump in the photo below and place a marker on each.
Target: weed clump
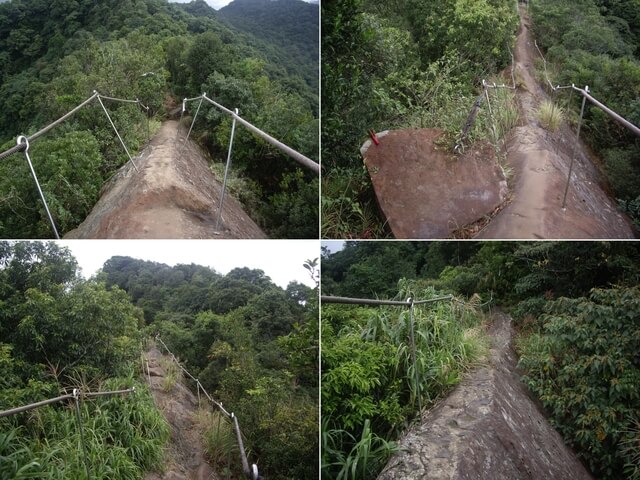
(550, 115)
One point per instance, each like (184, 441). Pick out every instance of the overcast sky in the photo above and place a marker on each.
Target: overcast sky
(280, 259)
(216, 3)
(333, 245)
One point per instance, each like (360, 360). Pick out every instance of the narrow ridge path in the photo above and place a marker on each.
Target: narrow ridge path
(540, 161)
(488, 427)
(186, 458)
(173, 195)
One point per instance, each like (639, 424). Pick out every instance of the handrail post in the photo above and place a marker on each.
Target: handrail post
(413, 356)
(575, 148)
(245, 463)
(226, 171)
(79, 419)
(184, 145)
(22, 139)
(116, 130)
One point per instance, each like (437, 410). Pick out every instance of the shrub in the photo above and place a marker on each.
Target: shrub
(584, 368)
(370, 382)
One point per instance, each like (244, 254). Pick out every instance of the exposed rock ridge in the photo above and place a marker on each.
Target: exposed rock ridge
(487, 428)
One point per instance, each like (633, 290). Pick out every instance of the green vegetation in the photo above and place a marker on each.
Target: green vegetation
(253, 346)
(575, 306)
(270, 23)
(53, 57)
(595, 43)
(550, 115)
(219, 438)
(60, 332)
(396, 64)
(372, 385)
(581, 361)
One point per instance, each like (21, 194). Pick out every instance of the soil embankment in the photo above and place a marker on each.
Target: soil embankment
(172, 195)
(540, 161)
(185, 453)
(487, 428)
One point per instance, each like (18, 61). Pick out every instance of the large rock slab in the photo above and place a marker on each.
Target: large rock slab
(487, 428)
(426, 192)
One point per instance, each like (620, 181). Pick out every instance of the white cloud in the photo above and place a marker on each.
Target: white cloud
(218, 4)
(280, 259)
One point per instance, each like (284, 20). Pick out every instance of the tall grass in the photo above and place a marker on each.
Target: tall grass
(124, 437)
(550, 115)
(500, 116)
(375, 381)
(366, 456)
(172, 374)
(630, 449)
(219, 438)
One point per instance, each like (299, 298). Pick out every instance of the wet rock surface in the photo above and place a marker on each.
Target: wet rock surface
(487, 428)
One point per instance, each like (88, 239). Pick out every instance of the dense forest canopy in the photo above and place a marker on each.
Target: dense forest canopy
(54, 54)
(270, 23)
(253, 345)
(575, 306)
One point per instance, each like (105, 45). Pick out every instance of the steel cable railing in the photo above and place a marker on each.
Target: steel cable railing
(76, 396)
(250, 473)
(23, 142)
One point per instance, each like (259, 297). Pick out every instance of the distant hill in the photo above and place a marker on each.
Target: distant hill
(291, 25)
(198, 8)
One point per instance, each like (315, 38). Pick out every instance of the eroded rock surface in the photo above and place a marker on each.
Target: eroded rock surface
(540, 161)
(488, 428)
(185, 452)
(425, 191)
(172, 195)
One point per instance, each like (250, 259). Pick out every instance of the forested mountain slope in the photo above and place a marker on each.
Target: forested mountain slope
(270, 22)
(53, 55)
(252, 344)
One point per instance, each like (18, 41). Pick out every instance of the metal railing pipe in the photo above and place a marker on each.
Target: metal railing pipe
(297, 156)
(608, 111)
(31, 406)
(366, 301)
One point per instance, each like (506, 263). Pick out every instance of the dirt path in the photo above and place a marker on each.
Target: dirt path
(173, 195)
(487, 428)
(185, 455)
(540, 161)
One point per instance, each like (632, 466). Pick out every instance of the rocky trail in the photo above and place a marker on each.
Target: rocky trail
(540, 160)
(424, 191)
(487, 428)
(185, 452)
(173, 194)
